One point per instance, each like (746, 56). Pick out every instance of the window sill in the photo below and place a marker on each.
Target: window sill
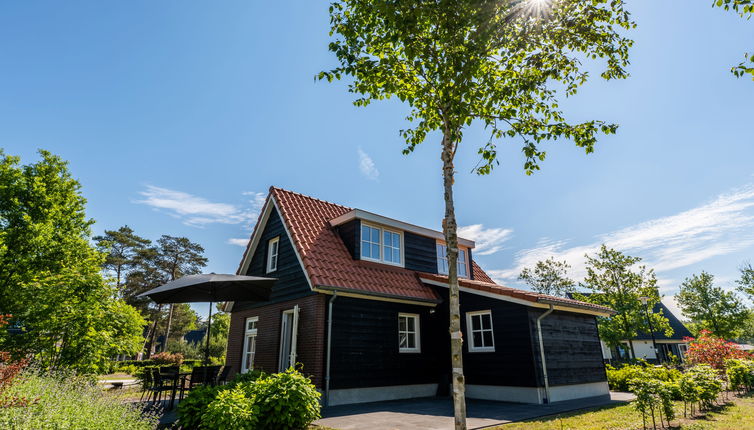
(482, 349)
(409, 351)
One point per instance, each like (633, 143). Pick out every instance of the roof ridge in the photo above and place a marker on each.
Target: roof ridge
(274, 188)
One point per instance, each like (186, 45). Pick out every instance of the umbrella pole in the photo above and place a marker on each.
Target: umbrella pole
(209, 326)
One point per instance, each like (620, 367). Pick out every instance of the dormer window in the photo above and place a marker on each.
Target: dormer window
(442, 261)
(381, 245)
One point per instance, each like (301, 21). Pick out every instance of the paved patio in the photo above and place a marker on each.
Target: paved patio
(437, 413)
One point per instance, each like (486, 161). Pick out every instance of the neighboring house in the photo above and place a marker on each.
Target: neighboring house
(192, 336)
(361, 302)
(668, 346)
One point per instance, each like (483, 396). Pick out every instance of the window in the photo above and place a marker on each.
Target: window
(249, 344)
(272, 254)
(408, 333)
(479, 328)
(442, 261)
(379, 244)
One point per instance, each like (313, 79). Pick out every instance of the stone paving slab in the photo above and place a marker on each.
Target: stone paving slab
(437, 413)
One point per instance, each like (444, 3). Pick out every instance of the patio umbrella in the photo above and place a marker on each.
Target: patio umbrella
(212, 288)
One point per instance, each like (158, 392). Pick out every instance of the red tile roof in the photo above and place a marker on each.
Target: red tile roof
(329, 264)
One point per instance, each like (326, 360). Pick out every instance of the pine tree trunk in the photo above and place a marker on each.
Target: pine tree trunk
(153, 332)
(167, 330)
(451, 240)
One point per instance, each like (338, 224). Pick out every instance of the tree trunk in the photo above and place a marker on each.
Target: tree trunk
(151, 335)
(631, 348)
(167, 330)
(451, 240)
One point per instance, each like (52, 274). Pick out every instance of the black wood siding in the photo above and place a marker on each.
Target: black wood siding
(350, 233)
(420, 252)
(471, 265)
(512, 362)
(291, 282)
(365, 345)
(572, 348)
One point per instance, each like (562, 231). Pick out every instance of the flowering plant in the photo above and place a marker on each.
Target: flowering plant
(707, 349)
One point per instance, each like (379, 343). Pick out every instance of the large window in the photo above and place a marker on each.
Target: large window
(272, 254)
(479, 328)
(442, 261)
(408, 333)
(249, 344)
(380, 244)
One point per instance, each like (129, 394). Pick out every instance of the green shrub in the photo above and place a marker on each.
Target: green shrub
(231, 409)
(740, 374)
(619, 378)
(191, 408)
(708, 382)
(286, 400)
(65, 401)
(653, 396)
(255, 400)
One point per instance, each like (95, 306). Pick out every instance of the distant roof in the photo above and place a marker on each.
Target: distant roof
(330, 266)
(679, 330)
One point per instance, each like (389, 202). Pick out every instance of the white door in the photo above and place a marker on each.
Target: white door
(288, 337)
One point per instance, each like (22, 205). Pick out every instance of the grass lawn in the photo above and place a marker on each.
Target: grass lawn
(737, 413)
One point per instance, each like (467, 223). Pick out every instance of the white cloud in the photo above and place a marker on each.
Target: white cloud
(238, 241)
(367, 167)
(723, 226)
(488, 240)
(197, 211)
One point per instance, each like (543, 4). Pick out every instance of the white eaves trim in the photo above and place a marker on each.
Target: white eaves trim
(520, 301)
(389, 222)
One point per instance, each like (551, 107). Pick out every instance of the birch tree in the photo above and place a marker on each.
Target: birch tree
(500, 64)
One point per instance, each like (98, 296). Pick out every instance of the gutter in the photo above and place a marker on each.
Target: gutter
(542, 352)
(329, 347)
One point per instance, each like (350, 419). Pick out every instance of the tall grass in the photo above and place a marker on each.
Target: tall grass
(66, 401)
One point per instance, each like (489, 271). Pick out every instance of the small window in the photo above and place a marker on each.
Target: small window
(408, 333)
(249, 344)
(370, 242)
(479, 328)
(272, 254)
(382, 245)
(442, 261)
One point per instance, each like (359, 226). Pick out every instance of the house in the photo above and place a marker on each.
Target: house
(667, 346)
(361, 303)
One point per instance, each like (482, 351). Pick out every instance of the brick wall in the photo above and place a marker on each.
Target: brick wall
(310, 346)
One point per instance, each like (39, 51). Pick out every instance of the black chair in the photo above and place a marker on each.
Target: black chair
(146, 385)
(201, 375)
(161, 382)
(222, 378)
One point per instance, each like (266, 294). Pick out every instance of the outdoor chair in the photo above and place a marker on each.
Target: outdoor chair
(146, 385)
(201, 375)
(222, 377)
(161, 382)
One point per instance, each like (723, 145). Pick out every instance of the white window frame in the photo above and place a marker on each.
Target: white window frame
(461, 261)
(470, 332)
(250, 335)
(381, 244)
(270, 256)
(417, 334)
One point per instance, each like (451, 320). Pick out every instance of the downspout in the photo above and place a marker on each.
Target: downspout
(542, 352)
(329, 347)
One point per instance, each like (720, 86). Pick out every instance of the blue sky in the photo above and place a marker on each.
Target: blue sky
(177, 116)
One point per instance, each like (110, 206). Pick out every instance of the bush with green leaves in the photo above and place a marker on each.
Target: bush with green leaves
(167, 359)
(740, 374)
(619, 378)
(232, 409)
(67, 401)
(653, 399)
(286, 400)
(191, 408)
(708, 382)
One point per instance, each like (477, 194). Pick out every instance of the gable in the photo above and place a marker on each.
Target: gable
(291, 279)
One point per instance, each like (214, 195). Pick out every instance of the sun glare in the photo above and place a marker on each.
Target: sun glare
(534, 8)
